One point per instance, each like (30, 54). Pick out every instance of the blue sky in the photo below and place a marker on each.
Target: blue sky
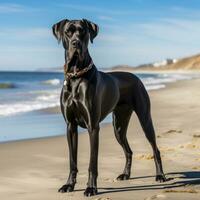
(131, 32)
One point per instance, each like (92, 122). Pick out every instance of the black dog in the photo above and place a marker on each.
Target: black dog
(89, 95)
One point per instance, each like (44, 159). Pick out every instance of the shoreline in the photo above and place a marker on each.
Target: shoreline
(83, 131)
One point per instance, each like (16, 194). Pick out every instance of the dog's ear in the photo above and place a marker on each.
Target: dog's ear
(93, 29)
(58, 29)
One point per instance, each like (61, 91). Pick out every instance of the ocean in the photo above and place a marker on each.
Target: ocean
(24, 94)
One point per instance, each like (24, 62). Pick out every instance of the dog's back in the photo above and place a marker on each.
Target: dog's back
(130, 86)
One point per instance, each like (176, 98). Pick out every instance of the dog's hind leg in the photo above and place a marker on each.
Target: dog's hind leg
(121, 117)
(72, 139)
(142, 109)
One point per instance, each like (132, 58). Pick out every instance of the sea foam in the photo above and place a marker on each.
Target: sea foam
(46, 100)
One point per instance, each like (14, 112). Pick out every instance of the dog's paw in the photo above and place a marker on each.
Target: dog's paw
(161, 178)
(66, 188)
(122, 177)
(90, 191)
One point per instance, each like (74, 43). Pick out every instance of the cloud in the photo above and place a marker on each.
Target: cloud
(95, 9)
(176, 31)
(27, 49)
(28, 57)
(6, 8)
(112, 38)
(106, 18)
(11, 8)
(24, 34)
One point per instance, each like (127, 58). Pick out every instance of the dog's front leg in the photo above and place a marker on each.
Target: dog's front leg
(93, 168)
(72, 139)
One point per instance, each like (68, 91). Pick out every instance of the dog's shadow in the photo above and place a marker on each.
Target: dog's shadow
(184, 178)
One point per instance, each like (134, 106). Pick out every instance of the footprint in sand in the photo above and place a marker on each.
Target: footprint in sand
(173, 131)
(191, 145)
(194, 144)
(167, 149)
(196, 168)
(157, 196)
(196, 136)
(169, 132)
(144, 157)
(190, 190)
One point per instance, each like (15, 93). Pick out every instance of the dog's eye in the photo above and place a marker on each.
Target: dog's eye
(81, 31)
(69, 32)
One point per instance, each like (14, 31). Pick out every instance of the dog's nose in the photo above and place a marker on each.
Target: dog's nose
(75, 43)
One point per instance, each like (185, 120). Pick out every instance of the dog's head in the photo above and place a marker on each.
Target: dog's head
(75, 36)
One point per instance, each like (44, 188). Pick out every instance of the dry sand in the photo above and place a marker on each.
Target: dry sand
(35, 169)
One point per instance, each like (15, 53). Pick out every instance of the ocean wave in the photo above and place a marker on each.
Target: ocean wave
(7, 85)
(178, 77)
(160, 81)
(52, 82)
(155, 87)
(47, 100)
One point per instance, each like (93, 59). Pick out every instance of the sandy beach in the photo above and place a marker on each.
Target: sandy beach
(35, 169)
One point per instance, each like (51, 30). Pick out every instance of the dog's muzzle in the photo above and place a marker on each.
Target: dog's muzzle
(76, 44)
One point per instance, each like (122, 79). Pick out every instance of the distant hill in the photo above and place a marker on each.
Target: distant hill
(188, 63)
(182, 64)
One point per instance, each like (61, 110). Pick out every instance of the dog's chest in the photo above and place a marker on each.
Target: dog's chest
(73, 103)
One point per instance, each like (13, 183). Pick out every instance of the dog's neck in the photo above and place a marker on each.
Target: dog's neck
(79, 64)
(81, 68)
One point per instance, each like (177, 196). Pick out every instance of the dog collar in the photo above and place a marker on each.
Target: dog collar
(79, 73)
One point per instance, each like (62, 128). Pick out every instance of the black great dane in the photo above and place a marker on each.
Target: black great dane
(89, 95)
